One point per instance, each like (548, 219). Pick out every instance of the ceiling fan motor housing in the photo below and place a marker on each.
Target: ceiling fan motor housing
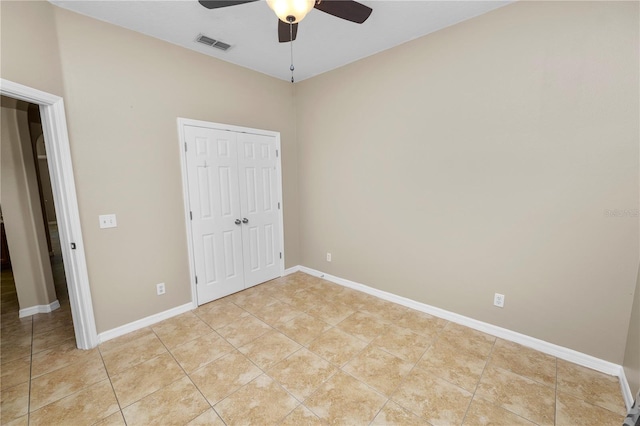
(291, 11)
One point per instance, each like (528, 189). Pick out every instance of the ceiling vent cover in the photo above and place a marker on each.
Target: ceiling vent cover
(212, 42)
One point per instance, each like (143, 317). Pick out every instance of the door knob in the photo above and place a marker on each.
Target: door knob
(245, 220)
(238, 222)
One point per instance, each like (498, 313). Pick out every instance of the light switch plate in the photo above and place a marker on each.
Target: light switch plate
(108, 221)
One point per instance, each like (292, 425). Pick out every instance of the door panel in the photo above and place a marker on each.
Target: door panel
(258, 199)
(212, 171)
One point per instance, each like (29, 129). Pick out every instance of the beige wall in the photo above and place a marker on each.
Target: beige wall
(481, 159)
(21, 209)
(632, 352)
(123, 94)
(28, 45)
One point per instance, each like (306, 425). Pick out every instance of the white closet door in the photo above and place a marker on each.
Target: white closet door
(212, 171)
(259, 205)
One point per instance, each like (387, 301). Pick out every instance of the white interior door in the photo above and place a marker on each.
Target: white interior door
(259, 205)
(212, 172)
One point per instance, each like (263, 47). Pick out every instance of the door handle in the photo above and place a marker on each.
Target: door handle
(237, 222)
(245, 220)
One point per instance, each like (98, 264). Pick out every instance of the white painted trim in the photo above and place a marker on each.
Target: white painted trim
(39, 309)
(56, 137)
(537, 344)
(182, 122)
(144, 322)
(626, 389)
(291, 270)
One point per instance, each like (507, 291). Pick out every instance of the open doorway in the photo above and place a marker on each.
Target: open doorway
(36, 312)
(55, 137)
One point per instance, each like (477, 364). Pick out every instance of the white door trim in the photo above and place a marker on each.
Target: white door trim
(182, 122)
(56, 137)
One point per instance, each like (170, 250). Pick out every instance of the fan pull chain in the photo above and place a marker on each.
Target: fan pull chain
(291, 38)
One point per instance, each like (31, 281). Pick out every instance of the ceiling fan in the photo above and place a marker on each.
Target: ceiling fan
(290, 12)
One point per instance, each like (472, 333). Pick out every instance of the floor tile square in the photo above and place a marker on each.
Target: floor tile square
(87, 406)
(14, 402)
(180, 329)
(524, 361)
(114, 419)
(484, 413)
(302, 373)
(201, 351)
(471, 341)
(145, 378)
(261, 401)
(331, 313)
(572, 411)
(433, 399)
(403, 343)
(524, 397)
(219, 314)
(365, 327)
(336, 346)
(302, 416)
(592, 386)
(304, 328)
(223, 376)
(53, 338)
(178, 403)
(346, 401)
(453, 364)
(244, 330)
(378, 369)
(59, 383)
(15, 372)
(208, 418)
(119, 356)
(276, 313)
(421, 323)
(58, 357)
(268, 349)
(393, 414)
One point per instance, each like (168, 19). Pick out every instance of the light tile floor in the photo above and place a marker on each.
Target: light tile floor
(294, 351)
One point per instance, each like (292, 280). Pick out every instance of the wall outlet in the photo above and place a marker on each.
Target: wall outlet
(328, 257)
(160, 289)
(498, 300)
(107, 221)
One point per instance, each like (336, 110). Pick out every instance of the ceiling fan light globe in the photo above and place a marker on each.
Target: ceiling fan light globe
(285, 9)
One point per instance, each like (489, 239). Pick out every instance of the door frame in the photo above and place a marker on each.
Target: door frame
(182, 122)
(56, 139)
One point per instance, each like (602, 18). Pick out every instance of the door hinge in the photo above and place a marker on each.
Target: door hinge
(278, 205)
(276, 152)
(280, 255)
(185, 147)
(196, 279)
(191, 215)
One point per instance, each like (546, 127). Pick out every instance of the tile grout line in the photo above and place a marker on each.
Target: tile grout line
(487, 360)
(112, 388)
(186, 374)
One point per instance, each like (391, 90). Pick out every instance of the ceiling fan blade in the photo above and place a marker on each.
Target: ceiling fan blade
(215, 4)
(345, 9)
(284, 34)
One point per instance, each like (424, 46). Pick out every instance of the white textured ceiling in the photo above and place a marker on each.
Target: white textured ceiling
(323, 43)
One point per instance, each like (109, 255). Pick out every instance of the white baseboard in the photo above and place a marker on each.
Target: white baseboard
(503, 333)
(144, 322)
(39, 309)
(626, 389)
(291, 270)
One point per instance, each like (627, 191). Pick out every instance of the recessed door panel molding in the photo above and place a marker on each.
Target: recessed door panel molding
(232, 185)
